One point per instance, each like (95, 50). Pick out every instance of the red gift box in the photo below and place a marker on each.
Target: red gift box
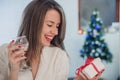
(91, 68)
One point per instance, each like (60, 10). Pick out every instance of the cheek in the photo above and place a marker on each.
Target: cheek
(42, 35)
(45, 29)
(43, 39)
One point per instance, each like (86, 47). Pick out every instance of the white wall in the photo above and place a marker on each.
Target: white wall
(10, 17)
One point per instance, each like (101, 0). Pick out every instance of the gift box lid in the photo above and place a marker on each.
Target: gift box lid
(89, 71)
(98, 64)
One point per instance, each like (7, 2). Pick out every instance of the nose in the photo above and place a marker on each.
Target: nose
(54, 30)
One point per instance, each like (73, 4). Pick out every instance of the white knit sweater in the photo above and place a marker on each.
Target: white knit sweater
(54, 65)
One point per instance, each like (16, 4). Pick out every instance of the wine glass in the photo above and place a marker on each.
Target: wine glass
(23, 42)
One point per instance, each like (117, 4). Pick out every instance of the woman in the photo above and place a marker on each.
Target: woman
(44, 26)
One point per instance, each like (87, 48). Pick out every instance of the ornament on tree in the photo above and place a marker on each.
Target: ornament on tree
(94, 44)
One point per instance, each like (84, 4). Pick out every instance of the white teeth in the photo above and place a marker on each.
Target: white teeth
(49, 37)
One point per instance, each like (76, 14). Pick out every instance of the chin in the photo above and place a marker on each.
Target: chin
(46, 44)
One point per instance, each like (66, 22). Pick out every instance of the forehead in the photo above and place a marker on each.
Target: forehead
(52, 15)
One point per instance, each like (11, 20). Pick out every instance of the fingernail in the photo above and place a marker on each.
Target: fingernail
(25, 51)
(12, 41)
(19, 46)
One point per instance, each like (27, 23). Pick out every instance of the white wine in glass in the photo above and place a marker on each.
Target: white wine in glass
(23, 42)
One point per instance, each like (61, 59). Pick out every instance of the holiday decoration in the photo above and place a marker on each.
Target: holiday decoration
(94, 44)
(91, 68)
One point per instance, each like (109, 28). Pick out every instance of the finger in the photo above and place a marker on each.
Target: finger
(77, 78)
(20, 59)
(97, 76)
(80, 77)
(11, 43)
(18, 53)
(9, 47)
(13, 49)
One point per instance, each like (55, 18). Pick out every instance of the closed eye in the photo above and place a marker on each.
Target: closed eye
(49, 25)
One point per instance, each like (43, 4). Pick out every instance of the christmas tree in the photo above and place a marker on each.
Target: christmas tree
(94, 44)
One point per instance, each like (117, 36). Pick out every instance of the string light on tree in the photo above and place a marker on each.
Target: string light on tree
(81, 31)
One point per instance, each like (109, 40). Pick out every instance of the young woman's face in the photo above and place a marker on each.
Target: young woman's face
(50, 27)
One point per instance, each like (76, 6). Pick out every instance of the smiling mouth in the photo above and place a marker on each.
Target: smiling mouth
(48, 38)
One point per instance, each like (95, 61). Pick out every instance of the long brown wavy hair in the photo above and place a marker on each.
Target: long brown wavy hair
(32, 24)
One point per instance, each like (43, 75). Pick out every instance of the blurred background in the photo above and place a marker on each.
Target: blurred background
(10, 19)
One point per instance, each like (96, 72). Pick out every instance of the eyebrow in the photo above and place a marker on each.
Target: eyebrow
(51, 21)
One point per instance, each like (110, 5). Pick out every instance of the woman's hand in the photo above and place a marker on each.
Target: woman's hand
(14, 55)
(83, 78)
